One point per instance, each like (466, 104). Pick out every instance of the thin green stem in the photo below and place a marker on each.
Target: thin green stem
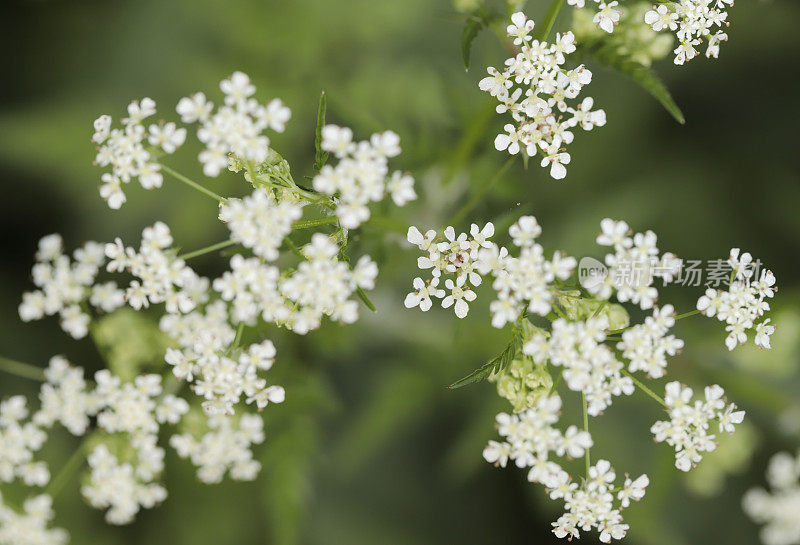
(72, 466)
(678, 317)
(24, 370)
(295, 250)
(687, 314)
(586, 429)
(462, 213)
(549, 20)
(644, 388)
(306, 224)
(238, 338)
(207, 249)
(192, 183)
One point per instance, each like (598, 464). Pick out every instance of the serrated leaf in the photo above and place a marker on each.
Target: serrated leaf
(495, 365)
(477, 21)
(646, 77)
(468, 35)
(321, 156)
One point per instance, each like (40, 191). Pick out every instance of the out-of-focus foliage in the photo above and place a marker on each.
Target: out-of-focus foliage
(370, 445)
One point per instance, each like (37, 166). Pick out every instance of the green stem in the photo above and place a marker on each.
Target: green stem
(73, 464)
(238, 338)
(24, 370)
(644, 388)
(192, 183)
(306, 224)
(678, 317)
(687, 314)
(207, 249)
(549, 20)
(462, 213)
(586, 429)
(295, 250)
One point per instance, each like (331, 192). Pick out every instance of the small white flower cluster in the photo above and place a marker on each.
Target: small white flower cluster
(119, 487)
(235, 128)
(66, 285)
(134, 409)
(647, 345)
(522, 282)
(538, 73)
(778, 508)
(362, 174)
(298, 299)
(743, 303)
(260, 221)
(123, 149)
(589, 365)
(688, 428)
(161, 277)
(634, 265)
(65, 398)
(607, 16)
(19, 441)
(692, 21)
(128, 417)
(456, 255)
(220, 373)
(226, 447)
(30, 527)
(530, 439)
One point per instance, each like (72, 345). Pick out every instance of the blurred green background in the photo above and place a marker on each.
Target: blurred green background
(370, 446)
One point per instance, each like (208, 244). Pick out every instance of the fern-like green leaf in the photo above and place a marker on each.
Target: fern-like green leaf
(476, 22)
(646, 77)
(495, 365)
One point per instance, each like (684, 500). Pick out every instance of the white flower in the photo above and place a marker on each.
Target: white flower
(692, 21)
(422, 296)
(520, 27)
(362, 174)
(235, 128)
(688, 427)
(777, 509)
(744, 302)
(401, 187)
(225, 448)
(458, 296)
(534, 88)
(607, 16)
(30, 526)
(123, 150)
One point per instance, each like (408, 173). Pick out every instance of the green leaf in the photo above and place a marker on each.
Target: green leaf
(646, 77)
(476, 22)
(321, 156)
(495, 365)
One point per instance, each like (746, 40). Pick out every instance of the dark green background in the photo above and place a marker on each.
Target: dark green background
(370, 446)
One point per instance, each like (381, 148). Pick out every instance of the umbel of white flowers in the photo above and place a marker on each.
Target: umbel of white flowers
(535, 89)
(692, 21)
(778, 508)
(579, 348)
(122, 420)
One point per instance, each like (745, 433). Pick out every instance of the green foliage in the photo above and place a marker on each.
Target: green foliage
(493, 366)
(647, 78)
(476, 22)
(130, 342)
